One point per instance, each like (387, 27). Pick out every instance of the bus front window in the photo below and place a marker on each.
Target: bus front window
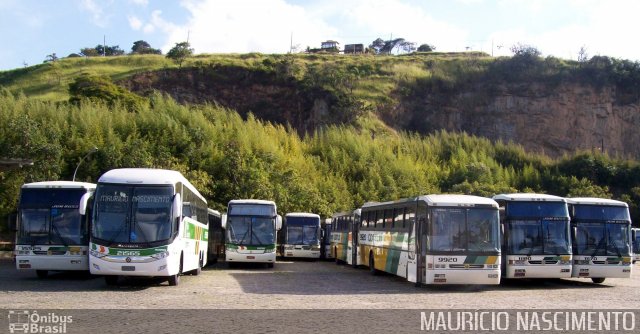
(556, 237)
(294, 235)
(524, 237)
(483, 231)
(601, 239)
(66, 226)
(34, 228)
(448, 230)
(310, 235)
(263, 232)
(250, 231)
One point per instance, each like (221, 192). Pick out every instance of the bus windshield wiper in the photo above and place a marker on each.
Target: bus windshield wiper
(55, 229)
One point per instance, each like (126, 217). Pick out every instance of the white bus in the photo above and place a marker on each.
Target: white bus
(250, 231)
(53, 226)
(536, 241)
(301, 235)
(601, 238)
(433, 239)
(147, 222)
(635, 236)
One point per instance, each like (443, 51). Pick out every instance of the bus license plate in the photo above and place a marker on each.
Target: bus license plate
(251, 257)
(128, 268)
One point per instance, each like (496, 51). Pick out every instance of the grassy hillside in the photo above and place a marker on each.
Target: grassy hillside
(331, 170)
(334, 168)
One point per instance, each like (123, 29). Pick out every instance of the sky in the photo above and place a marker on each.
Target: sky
(32, 29)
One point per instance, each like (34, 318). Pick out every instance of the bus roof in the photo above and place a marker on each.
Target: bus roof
(213, 212)
(59, 184)
(457, 200)
(149, 176)
(346, 213)
(252, 201)
(529, 197)
(302, 214)
(596, 201)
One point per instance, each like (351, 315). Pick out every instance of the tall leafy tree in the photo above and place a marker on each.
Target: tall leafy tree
(180, 52)
(143, 47)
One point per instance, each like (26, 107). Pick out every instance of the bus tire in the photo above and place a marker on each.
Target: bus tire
(335, 253)
(42, 273)
(372, 265)
(111, 280)
(597, 280)
(175, 279)
(270, 265)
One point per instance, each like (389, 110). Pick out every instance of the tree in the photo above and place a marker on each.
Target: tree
(180, 52)
(51, 58)
(426, 48)
(142, 47)
(525, 51)
(388, 47)
(100, 50)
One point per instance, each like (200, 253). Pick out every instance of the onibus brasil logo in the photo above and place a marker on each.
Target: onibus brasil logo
(32, 322)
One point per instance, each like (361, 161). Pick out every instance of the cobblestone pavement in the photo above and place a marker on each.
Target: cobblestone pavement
(304, 285)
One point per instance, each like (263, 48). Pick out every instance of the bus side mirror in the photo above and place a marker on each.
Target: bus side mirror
(223, 221)
(84, 200)
(176, 206)
(278, 222)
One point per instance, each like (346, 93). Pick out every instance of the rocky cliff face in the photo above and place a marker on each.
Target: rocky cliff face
(550, 120)
(562, 120)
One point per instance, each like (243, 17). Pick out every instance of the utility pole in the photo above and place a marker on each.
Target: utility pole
(104, 45)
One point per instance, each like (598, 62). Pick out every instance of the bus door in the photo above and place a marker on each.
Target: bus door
(355, 224)
(421, 242)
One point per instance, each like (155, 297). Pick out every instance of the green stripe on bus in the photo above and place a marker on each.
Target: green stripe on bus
(137, 252)
(251, 248)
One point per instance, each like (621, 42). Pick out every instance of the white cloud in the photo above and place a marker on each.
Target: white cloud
(140, 2)
(266, 26)
(246, 26)
(97, 12)
(134, 22)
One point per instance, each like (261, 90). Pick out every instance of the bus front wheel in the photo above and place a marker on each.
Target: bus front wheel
(597, 280)
(270, 265)
(372, 265)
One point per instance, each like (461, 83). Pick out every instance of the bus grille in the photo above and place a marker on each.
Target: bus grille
(54, 252)
(466, 266)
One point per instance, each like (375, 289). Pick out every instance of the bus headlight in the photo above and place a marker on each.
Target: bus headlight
(160, 256)
(288, 247)
(97, 254)
(562, 261)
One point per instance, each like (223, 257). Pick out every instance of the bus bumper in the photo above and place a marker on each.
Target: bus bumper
(541, 271)
(52, 262)
(231, 256)
(461, 276)
(601, 271)
(120, 266)
(302, 253)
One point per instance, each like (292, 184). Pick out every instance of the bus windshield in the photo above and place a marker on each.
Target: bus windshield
(133, 214)
(531, 237)
(636, 243)
(51, 216)
(602, 238)
(250, 231)
(601, 213)
(465, 230)
(302, 230)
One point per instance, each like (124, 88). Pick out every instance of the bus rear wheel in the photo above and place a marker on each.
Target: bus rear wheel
(597, 280)
(42, 273)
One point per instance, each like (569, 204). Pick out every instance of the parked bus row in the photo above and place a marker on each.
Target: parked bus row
(150, 222)
(461, 239)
